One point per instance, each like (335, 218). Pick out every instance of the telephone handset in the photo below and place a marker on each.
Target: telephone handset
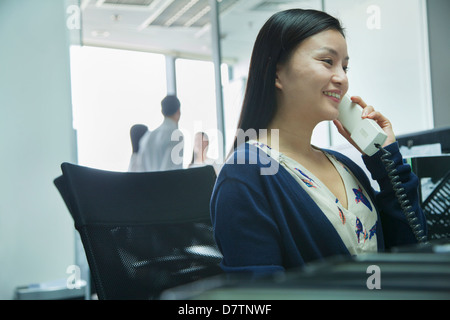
(369, 137)
(365, 132)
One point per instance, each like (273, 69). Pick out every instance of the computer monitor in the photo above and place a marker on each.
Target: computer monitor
(428, 137)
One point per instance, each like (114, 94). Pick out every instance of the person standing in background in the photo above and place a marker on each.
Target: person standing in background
(137, 131)
(200, 152)
(162, 148)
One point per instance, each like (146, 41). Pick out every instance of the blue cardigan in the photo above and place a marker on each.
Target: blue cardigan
(265, 222)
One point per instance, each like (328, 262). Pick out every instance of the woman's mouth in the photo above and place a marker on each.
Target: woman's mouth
(335, 96)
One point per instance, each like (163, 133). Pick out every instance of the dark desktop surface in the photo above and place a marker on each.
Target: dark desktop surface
(414, 273)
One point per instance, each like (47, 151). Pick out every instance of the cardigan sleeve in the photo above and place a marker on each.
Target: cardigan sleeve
(244, 230)
(395, 226)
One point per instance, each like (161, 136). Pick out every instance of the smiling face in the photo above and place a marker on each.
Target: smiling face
(312, 82)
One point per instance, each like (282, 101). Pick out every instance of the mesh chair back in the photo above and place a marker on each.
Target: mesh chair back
(142, 232)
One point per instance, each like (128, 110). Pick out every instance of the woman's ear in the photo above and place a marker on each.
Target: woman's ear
(278, 83)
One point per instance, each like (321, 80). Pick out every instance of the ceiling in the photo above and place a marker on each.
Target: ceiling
(179, 27)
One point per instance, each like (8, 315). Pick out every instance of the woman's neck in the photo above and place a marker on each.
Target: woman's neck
(290, 138)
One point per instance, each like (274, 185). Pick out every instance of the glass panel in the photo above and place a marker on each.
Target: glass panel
(113, 90)
(390, 51)
(387, 45)
(129, 86)
(196, 91)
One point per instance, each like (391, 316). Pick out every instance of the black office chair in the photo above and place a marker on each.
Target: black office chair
(142, 232)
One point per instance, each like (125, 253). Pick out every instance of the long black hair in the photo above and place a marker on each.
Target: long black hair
(274, 45)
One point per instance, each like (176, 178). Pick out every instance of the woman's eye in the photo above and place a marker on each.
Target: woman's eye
(330, 62)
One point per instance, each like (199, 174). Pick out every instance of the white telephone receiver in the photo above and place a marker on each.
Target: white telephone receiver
(365, 132)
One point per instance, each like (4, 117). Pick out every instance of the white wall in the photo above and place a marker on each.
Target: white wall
(389, 60)
(36, 231)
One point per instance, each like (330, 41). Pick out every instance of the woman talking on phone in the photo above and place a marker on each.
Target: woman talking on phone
(316, 203)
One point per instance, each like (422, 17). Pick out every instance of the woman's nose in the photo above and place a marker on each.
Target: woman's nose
(340, 78)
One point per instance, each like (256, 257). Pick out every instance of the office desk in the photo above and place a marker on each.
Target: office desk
(402, 275)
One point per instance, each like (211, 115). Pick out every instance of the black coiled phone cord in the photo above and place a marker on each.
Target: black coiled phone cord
(401, 196)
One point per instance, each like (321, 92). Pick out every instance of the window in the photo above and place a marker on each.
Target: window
(111, 91)
(115, 89)
(196, 91)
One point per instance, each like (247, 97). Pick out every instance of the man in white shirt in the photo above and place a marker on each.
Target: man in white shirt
(162, 148)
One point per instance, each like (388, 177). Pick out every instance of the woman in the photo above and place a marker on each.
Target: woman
(317, 203)
(200, 152)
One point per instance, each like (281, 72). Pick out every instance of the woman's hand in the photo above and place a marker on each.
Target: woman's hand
(370, 113)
